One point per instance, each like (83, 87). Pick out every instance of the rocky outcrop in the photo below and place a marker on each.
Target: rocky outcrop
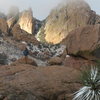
(27, 22)
(98, 19)
(11, 22)
(77, 62)
(3, 26)
(83, 41)
(64, 19)
(22, 35)
(55, 61)
(48, 83)
(22, 61)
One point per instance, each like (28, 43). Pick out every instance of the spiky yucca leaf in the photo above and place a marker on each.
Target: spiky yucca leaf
(91, 90)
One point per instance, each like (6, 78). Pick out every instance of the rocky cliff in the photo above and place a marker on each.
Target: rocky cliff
(64, 19)
(52, 72)
(27, 22)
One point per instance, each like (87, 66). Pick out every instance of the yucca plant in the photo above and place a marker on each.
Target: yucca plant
(91, 89)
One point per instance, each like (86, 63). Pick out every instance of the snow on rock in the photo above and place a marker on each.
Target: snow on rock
(12, 52)
(44, 51)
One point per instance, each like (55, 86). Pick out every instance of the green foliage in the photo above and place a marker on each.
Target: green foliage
(91, 81)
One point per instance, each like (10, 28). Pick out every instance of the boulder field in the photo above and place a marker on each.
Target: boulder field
(53, 70)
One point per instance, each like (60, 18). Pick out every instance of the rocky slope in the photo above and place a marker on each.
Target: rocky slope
(52, 71)
(66, 18)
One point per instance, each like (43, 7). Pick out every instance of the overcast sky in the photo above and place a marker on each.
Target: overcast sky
(41, 8)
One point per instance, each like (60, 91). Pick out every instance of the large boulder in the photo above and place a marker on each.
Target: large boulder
(83, 41)
(22, 35)
(64, 19)
(27, 22)
(3, 26)
(49, 82)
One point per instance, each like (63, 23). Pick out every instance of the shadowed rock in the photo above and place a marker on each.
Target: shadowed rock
(83, 41)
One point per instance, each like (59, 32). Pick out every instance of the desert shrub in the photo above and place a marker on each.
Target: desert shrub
(91, 82)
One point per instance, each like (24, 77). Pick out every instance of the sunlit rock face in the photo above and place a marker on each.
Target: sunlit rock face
(27, 22)
(11, 22)
(66, 18)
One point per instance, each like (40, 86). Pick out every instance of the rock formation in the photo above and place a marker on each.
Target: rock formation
(11, 22)
(98, 19)
(64, 19)
(83, 40)
(22, 35)
(55, 61)
(22, 61)
(27, 22)
(3, 26)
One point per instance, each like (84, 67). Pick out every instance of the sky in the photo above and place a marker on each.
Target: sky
(41, 8)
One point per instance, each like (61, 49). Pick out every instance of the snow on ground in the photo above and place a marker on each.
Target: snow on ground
(10, 51)
(46, 51)
(40, 53)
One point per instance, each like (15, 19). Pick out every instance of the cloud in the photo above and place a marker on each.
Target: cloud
(41, 8)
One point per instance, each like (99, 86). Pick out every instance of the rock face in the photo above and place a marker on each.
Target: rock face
(22, 35)
(98, 19)
(3, 26)
(26, 21)
(63, 20)
(46, 82)
(83, 40)
(11, 22)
